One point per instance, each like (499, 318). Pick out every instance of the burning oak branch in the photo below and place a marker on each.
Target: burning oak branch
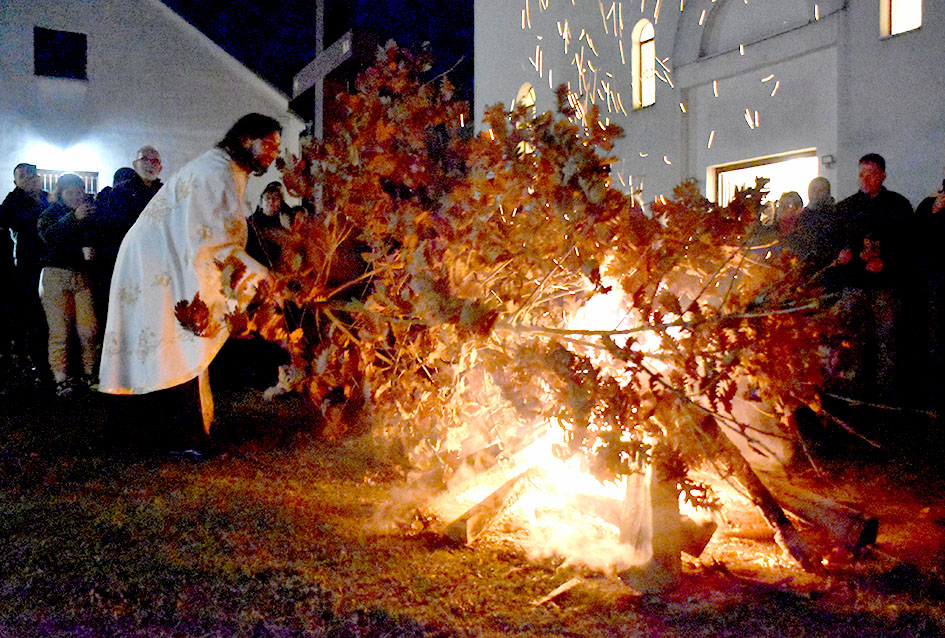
(433, 299)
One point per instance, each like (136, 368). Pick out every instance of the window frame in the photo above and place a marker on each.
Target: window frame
(643, 64)
(53, 50)
(891, 16)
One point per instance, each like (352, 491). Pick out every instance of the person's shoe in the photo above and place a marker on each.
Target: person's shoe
(65, 389)
(90, 382)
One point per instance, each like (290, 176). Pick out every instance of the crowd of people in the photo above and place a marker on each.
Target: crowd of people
(875, 259)
(104, 275)
(95, 278)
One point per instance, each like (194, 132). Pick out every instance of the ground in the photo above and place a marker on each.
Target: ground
(107, 529)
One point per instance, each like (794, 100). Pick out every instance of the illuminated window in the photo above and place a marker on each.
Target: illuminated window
(60, 54)
(526, 98)
(899, 16)
(50, 177)
(644, 64)
(788, 172)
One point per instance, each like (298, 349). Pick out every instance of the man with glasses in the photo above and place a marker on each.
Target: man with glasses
(115, 215)
(19, 213)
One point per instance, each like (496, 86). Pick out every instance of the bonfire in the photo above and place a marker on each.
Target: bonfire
(498, 316)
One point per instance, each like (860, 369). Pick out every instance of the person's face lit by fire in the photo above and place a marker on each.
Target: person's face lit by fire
(264, 151)
(872, 177)
(147, 164)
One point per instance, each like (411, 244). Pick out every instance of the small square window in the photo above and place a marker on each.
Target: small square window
(60, 54)
(900, 16)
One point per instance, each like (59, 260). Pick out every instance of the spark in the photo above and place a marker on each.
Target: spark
(620, 11)
(741, 49)
(461, 121)
(776, 85)
(682, 107)
(623, 59)
(642, 154)
(756, 119)
(702, 18)
(620, 177)
(656, 12)
(666, 161)
(682, 5)
(711, 137)
(551, 84)
(528, 14)
(591, 66)
(602, 17)
(523, 19)
(492, 135)
(715, 87)
(590, 43)
(642, 6)
(768, 78)
(751, 122)
(816, 11)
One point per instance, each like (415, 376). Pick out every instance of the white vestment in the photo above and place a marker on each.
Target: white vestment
(185, 242)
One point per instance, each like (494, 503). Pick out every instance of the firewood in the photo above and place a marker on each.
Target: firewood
(731, 465)
(476, 519)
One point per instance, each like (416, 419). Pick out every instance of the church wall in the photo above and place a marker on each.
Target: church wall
(841, 88)
(152, 79)
(892, 101)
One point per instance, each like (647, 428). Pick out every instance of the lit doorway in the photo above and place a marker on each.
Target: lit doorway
(786, 172)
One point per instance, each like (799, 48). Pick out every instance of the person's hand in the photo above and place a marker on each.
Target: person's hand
(939, 202)
(844, 257)
(84, 210)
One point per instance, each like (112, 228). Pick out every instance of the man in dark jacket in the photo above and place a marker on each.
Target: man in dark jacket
(19, 213)
(115, 215)
(875, 223)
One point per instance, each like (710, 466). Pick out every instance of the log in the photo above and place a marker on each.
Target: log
(844, 525)
(731, 465)
(475, 520)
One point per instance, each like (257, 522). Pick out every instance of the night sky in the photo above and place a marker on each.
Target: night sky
(276, 38)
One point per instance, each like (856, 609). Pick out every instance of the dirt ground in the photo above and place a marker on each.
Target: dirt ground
(108, 529)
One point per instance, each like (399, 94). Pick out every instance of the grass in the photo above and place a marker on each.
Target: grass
(104, 533)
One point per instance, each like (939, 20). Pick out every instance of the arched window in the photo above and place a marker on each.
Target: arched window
(899, 16)
(644, 64)
(526, 98)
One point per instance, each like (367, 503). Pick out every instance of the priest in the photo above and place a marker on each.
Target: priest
(183, 267)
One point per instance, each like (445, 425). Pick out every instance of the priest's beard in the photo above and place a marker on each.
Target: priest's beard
(246, 160)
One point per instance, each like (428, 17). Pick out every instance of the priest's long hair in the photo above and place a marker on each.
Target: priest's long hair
(252, 126)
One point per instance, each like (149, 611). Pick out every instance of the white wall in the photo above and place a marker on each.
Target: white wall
(893, 100)
(842, 89)
(152, 79)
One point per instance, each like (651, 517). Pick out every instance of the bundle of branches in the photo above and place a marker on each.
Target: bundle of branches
(433, 290)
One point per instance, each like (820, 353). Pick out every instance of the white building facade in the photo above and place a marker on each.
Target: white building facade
(88, 82)
(721, 90)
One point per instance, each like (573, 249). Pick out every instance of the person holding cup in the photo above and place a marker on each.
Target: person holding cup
(65, 286)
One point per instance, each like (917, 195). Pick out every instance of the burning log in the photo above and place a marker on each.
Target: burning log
(475, 520)
(730, 464)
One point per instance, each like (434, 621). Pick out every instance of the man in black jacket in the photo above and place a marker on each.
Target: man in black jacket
(117, 213)
(19, 213)
(876, 223)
